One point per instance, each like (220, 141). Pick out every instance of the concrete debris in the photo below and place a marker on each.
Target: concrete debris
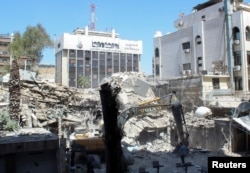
(134, 88)
(148, 123)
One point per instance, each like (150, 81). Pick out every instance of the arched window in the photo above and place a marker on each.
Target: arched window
(247, 33)
(156, 52)
(236, 33)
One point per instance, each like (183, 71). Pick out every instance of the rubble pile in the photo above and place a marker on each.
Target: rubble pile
(52, 94)
(146, 122)
(147, 127)
(43, 102)
(134, 88)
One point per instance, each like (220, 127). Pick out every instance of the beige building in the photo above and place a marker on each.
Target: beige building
(46, 72)
(5, 40)
(213, 43)
(6, 58)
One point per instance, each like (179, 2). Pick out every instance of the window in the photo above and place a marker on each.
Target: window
(248, 58)
(129, 62)
(72, 61)
(79, 54)
(4, 44)
(236, 33)
(156, 52)
(123, 62)
(72, 53)
(216, 83)
(116, 62)
(157, 69)
(237, 58)
(238, 83)
(199, 59)
(203, 17)
(187, 66)
(248, 33)
(186, 45)
(135, 62)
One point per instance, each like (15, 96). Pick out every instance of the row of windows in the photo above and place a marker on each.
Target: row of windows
(4, 44)
(81, 53)
(97, 65)
(95, 74)
(236, 36)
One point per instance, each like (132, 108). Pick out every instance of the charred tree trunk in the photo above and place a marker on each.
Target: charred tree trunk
(114, 156)
(15, 92)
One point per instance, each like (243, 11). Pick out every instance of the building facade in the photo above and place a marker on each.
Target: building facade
(5, 40)
(24, 63)
(212, 42)
(94, 55)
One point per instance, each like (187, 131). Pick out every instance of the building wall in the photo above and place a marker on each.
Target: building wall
(94, 55)
(6, 57)
(209, 137)
(47, 72)
(206, 32)
(5, 40)
(36, 162)
(208, 83)
(188, 91)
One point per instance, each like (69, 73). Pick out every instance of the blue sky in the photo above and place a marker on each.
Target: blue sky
(131, 19)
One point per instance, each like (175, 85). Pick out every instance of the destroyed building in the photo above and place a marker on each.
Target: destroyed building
(150, 128)
(69, 115)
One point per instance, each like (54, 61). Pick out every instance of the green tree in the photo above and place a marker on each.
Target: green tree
(83, 82)
(29, 45)
(6, 123)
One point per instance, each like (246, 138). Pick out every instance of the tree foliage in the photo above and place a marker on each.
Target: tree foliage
(83, 82)
(6, 123)
(31, 43)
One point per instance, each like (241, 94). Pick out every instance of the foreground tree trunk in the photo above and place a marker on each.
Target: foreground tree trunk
(115, 162)
(15, 93)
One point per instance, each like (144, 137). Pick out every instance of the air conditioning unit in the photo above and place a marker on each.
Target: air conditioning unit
(203, 72)
(236, 68)
(188, 72)
(186, 50)
(218, 73)
(237, 42)
(1, 52)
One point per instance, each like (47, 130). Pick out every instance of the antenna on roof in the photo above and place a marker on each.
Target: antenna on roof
(92, 24)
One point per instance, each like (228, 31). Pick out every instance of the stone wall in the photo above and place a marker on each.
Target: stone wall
(188, 90)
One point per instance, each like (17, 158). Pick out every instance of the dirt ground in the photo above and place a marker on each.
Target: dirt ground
(167, 162)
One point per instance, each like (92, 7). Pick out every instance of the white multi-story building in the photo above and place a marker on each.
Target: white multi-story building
(212, 42)
(94, 55)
